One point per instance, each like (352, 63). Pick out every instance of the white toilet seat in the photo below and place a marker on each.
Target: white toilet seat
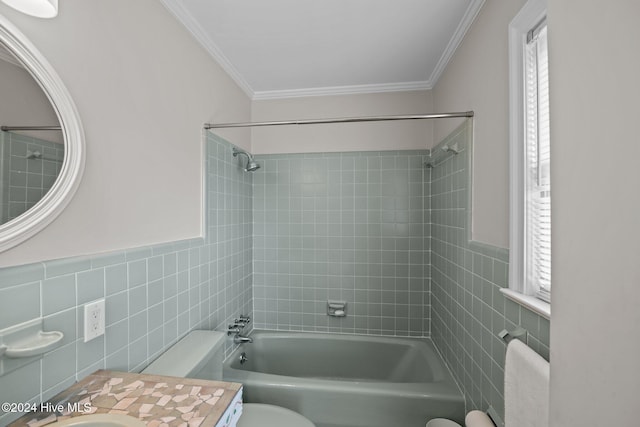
(261, 415)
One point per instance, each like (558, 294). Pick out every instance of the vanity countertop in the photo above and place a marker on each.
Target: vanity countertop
(157, 400)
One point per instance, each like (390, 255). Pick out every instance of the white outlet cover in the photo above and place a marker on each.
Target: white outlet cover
(93, 320)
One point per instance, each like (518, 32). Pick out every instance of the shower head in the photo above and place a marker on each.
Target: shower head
(453, 148)
(251, 165)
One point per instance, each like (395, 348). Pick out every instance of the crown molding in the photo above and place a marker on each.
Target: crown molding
(342, 90)
(203, 38)
(466, 22)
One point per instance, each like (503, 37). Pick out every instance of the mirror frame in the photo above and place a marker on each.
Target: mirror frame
(58, 197)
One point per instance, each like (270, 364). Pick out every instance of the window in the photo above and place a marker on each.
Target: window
(530, 252)
(537, 221)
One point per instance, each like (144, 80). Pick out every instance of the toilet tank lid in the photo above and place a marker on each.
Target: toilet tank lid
(188, 355)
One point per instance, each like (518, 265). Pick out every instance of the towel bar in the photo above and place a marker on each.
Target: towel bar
(519, 333)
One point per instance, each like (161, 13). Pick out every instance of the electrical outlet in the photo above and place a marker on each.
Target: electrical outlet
(93, 320)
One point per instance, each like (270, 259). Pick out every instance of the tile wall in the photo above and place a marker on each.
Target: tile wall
(154, 295)
(468, 309)
(24, 181)
(341, 226)
(229, 234)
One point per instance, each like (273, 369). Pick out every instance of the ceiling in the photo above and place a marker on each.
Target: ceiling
(288, 48)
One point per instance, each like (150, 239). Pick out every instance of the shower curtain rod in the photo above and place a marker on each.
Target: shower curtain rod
(340, 120)
(11, 128)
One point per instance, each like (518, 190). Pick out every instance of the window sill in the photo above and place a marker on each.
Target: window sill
(532, 303)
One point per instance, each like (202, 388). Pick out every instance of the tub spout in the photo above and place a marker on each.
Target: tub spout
(241, 339)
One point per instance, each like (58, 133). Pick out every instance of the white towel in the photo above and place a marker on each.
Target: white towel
(526, 387)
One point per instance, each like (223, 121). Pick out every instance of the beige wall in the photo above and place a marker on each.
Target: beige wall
(477, 78)
(404, 135)
(143, 88)
(22, 102)
(595, 330)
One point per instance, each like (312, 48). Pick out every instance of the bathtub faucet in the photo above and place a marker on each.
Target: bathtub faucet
(238, 338)
(241, 339)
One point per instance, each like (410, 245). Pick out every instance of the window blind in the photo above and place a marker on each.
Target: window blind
(537, 165)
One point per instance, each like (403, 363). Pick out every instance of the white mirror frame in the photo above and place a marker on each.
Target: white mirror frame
(58, 197)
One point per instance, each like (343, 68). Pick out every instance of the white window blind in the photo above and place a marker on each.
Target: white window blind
(537, 165)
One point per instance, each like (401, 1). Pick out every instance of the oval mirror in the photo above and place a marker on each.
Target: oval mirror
(41, 142)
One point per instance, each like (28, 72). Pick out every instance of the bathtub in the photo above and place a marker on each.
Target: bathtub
(347, 380)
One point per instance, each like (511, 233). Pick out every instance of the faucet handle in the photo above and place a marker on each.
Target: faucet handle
(234, 329)
(243, 319)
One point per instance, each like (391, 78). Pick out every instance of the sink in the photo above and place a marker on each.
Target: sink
(100, 420)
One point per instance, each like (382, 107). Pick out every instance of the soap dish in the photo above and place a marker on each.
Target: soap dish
(34, 345)
(336, 308)
(28, 340)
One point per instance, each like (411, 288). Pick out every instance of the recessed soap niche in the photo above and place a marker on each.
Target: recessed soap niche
(336, 308)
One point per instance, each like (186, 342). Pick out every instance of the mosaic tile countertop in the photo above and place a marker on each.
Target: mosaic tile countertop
(157, 400)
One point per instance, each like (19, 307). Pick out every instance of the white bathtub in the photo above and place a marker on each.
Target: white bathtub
(347, 380)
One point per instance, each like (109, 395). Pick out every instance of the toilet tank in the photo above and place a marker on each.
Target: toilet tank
(198, 355)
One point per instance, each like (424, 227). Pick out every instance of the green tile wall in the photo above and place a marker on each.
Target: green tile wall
(341, 226)
(154, 295)
(24, 181)
(468, 309)
(229, 232)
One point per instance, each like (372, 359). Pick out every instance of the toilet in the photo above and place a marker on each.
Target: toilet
(200, 355)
